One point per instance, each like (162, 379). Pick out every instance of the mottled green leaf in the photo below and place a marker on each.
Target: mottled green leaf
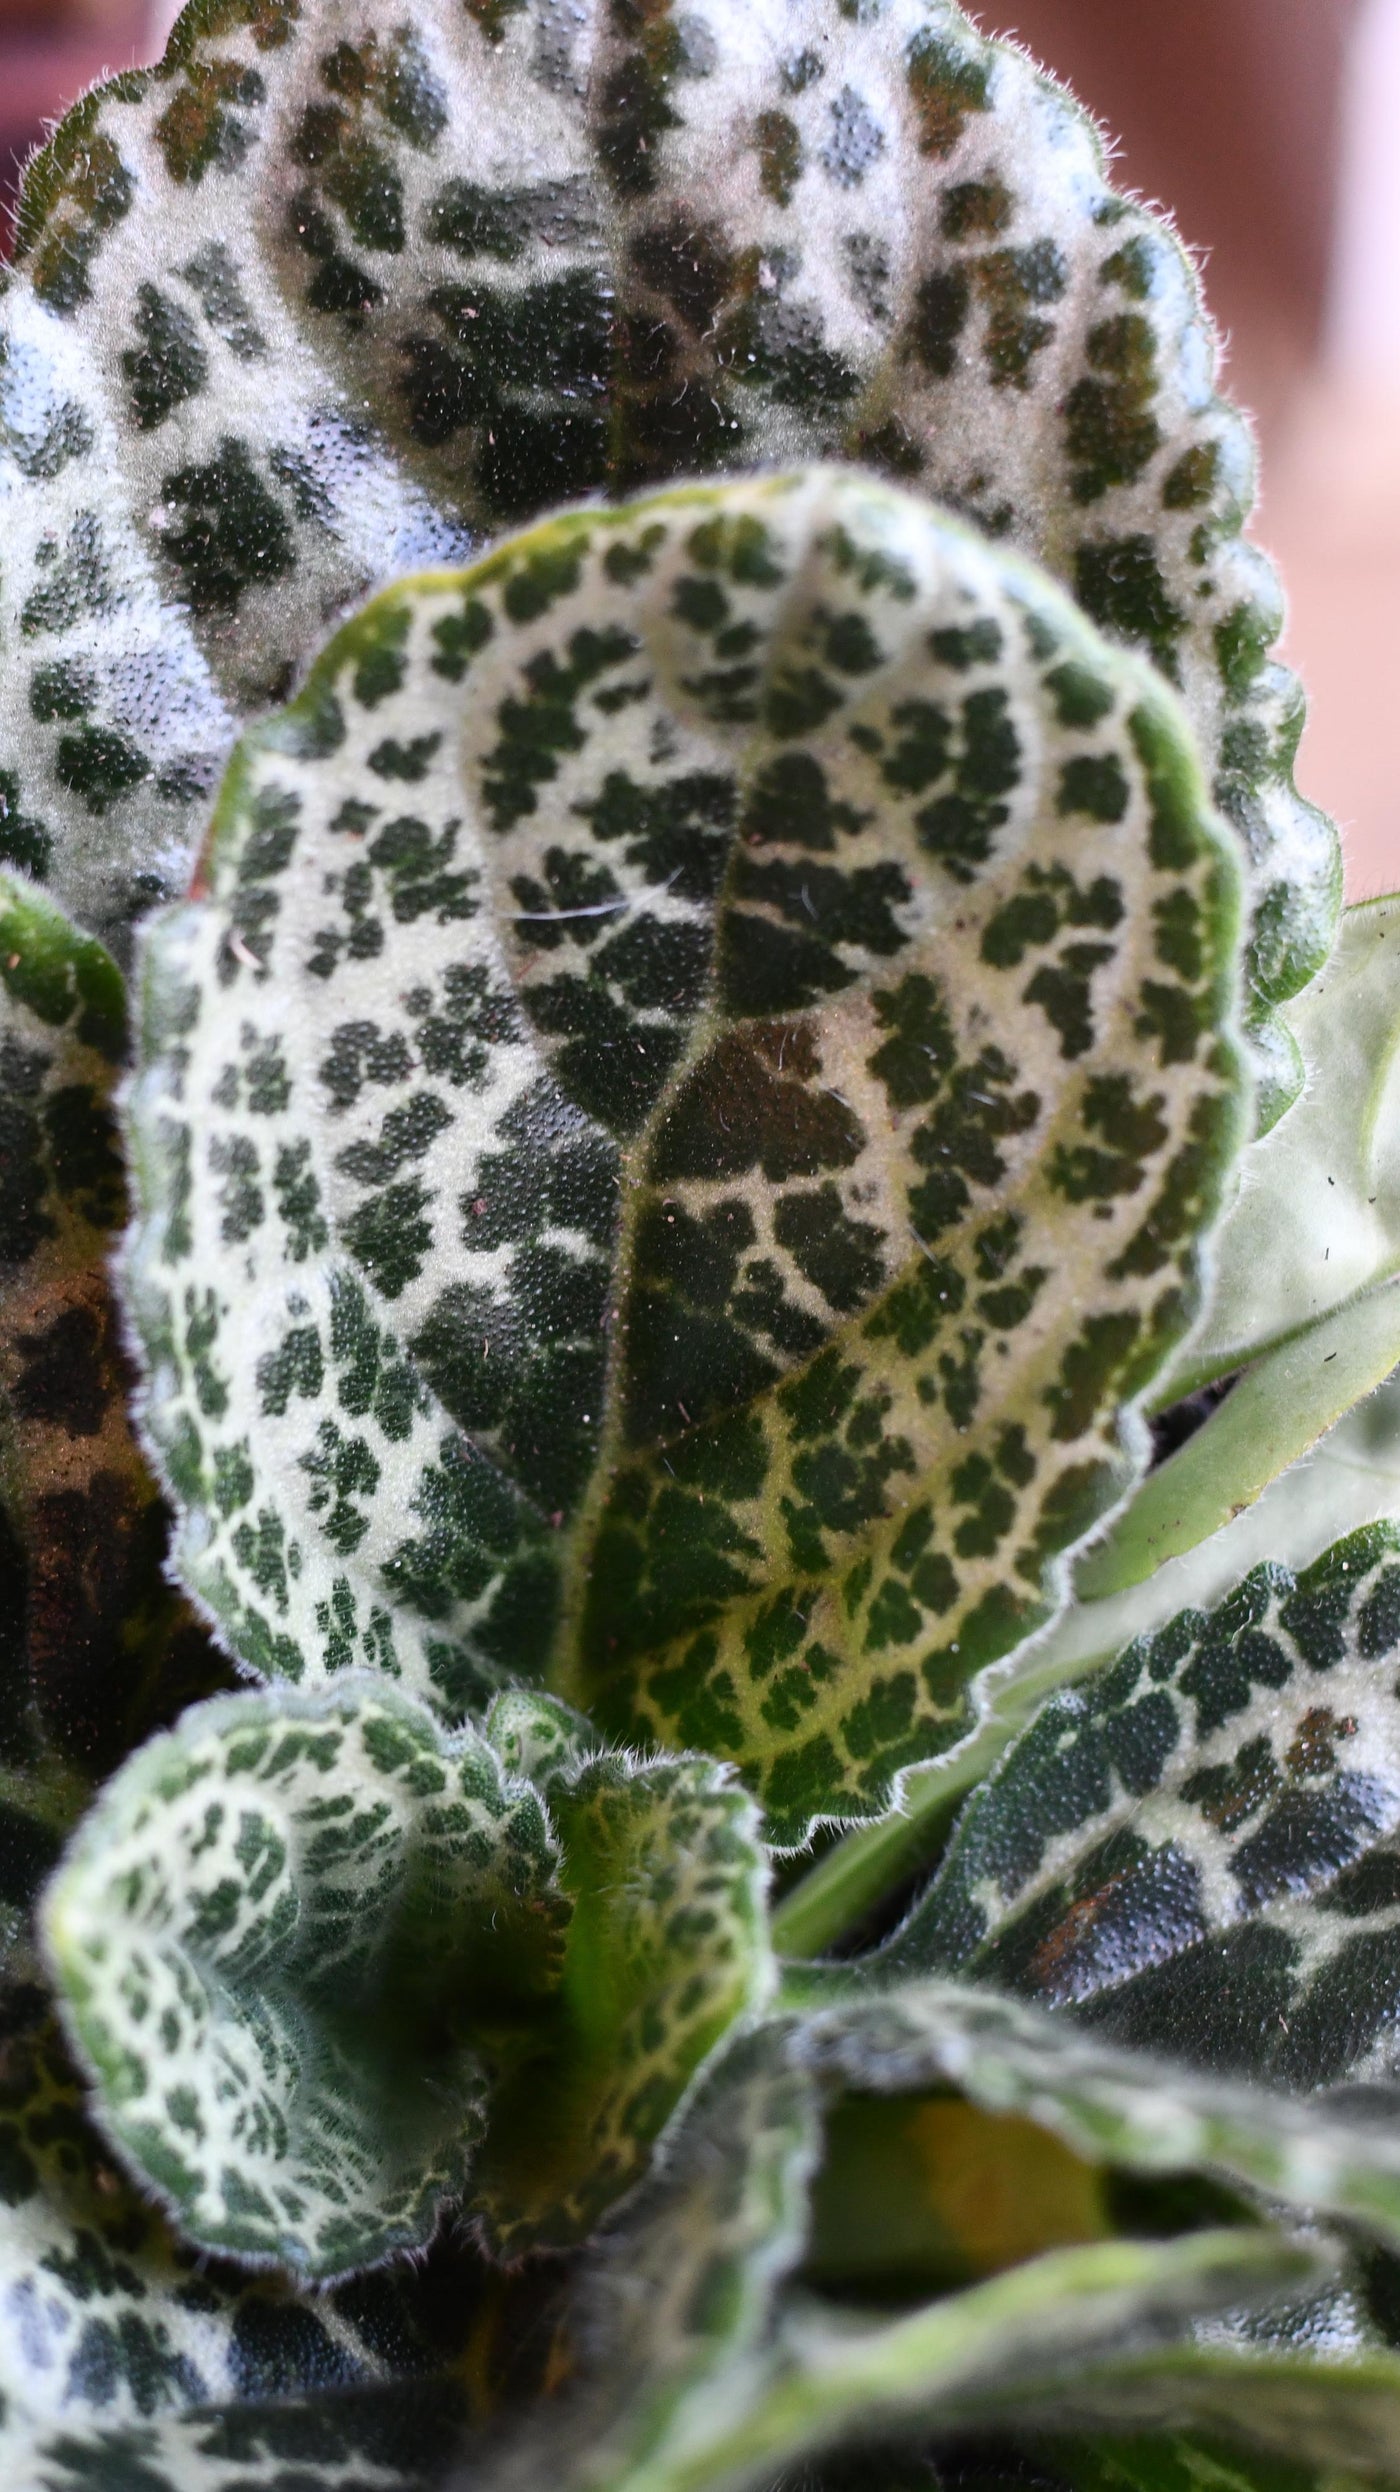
(281, 1938)
(397, 2438)
(94, 1643)
(1350, 1479)
(311, 1949)
(682, 1207)
(320, 297)
(1121, 2107)
(109, 2326)
(1196, 1850)
(666, 1949)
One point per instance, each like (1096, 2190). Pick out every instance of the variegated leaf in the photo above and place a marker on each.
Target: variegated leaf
(284, 1941)
(1348, 1481)
(323, 296)
(312, 1949)
(1196, 1850)
(681, 1205)
(1128, 2109)
(100, 1643)
(109, 2326)
(666, 1950)
(399, 2438)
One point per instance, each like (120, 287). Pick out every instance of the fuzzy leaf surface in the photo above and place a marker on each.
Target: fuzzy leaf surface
(108, 2325)
(681, 1209)
(317, 300)
(666, 1949)
(273, 1939)
(1196, 1851)
(1114, 2106)
(394, 2438)
(1348, 1480)
(705, 2364)
(301, 1940)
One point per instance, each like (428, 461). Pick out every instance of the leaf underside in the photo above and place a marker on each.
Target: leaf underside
(705, 2364)
(679, 1119)
(316, 300)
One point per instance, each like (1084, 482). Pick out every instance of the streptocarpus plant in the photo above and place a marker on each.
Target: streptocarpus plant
(701, 1774)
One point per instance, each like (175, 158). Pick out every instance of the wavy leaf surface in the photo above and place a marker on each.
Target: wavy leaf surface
(255, 1935)
(318, 299)
(1195, 1851)
(310, 1947)
(109, 2327)
(397, 2438)
(666, 1951)
(683, 1116)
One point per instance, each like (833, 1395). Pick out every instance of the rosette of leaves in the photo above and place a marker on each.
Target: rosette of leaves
(696, 1100)
(327, 294)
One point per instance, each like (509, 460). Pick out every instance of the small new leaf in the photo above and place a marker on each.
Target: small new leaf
(310, 1948)
(666, 1950)
(279, 1940)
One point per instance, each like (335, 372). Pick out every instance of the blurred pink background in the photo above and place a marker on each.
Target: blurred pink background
(1272, 129)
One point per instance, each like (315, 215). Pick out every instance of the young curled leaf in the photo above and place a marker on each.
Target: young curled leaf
(679, 1118)
(1195, 1852)
(311, 1948)
(110, 2327)
(666, 1950)
(277, 1939)
(319, 298)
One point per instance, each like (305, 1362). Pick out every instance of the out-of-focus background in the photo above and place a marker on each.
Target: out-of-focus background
(1272, 130)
